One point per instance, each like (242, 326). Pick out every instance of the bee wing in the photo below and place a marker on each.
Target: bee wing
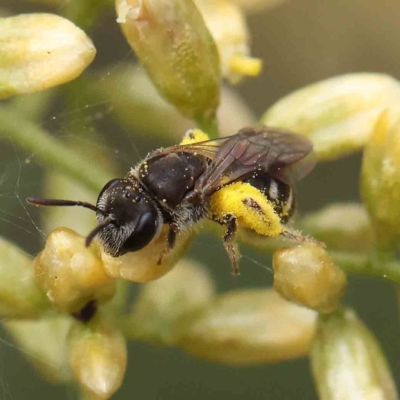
(283, 155)
(207, 149)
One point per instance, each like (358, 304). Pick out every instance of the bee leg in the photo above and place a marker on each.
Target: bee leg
(231, 247)
(296, 236)
(172, 234)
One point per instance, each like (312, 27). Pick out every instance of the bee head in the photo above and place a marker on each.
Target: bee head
(128, 218)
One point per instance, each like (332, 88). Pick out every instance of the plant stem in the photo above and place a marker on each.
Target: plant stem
(36, 140)
(362, 264)
(209, 125)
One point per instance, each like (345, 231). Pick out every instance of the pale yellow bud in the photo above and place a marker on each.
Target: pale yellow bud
(188, 287)
(44, 343)
(380, 180)
(342, 226)
(144, 265)
(338, 114)
(20, 295)
(248, 327)
(347, 361)
(98, 357)
(173, 43)
(227, 24)
(306, 275)
(39, 51)
(71, 274)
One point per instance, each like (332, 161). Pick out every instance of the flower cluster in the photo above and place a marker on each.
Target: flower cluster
(68, 307)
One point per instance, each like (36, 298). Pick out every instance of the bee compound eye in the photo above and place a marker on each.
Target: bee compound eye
(144, 232)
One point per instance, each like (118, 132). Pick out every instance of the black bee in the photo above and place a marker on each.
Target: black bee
(174, 186)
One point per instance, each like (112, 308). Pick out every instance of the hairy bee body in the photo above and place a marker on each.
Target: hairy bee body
(170, 179)
(241, 180)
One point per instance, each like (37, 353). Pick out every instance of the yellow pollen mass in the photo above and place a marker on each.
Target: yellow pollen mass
(196, 135)
(249, 205)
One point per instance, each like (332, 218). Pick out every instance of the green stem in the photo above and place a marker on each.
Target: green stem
(362, 264)
(50, 151)
(33, 106)
(209, 125)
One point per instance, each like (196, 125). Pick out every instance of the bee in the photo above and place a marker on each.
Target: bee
(176, 185)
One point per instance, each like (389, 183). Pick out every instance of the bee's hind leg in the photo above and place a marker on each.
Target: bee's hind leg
(231, 247)
(296, 236)
(171, 239)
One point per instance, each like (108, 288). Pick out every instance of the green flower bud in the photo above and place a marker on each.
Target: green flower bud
(39, 51)
(248, 327)
(20, 296)
(43, 342)
(227, 24)
(173, 43)
(188, 287)
(347, 361)
(144, 265)
(71, 274)
(98, 357)
(338, 113)
(380, 180)
(342, 226)
(306, 275)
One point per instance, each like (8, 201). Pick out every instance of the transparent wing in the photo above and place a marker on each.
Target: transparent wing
(283, 155)
(208, 149)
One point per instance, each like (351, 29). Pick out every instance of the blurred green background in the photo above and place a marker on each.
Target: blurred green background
(300, 42)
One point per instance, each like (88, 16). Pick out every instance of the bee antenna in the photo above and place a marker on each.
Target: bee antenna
(50, 202)
(95, 231)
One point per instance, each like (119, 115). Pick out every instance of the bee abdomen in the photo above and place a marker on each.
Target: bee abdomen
(278, 193)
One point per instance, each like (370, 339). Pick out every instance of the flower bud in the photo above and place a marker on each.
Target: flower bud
(380, 179)
(227, 25)
(173, 43)
(70, 273)
(248, 327)
(160, 304)
(44, 343)
(347, 361)
(337, 113)
(342, 226)
(144, 265)
(98, 357)
(20, 296)
(40, 51)
(306, 275)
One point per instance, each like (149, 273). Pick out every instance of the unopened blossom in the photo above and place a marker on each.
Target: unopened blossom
(39, 51)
